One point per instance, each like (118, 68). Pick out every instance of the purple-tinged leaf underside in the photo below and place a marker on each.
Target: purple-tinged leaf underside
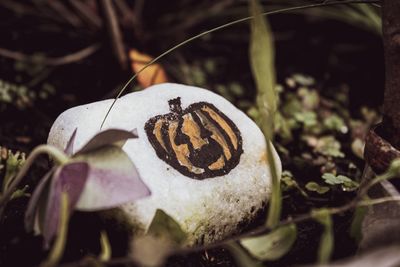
(116, 137)
(113, 180)
(33, 204)
(71, 179)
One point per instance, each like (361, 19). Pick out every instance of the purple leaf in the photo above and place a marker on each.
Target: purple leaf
(108, 137)
(30, 213)
(69, 178)
(69, 149)
(113, 180)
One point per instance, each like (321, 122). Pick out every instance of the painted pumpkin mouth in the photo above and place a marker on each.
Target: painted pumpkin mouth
(200, 141)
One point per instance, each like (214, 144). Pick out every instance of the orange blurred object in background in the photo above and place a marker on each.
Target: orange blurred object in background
(153, 74)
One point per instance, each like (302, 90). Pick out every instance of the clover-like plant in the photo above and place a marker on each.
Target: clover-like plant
(99, 176)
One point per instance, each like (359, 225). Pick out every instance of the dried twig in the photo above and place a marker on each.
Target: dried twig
(26, 9)
(131, 17)
(199, 17)
(114, 32)
(65, 13)
(52, 61)
(138, 10)
(17, 7)
(128, 15)
(88, 14)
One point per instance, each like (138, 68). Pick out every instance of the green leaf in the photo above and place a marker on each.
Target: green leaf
(262, 64)
(358, 218)
(151, 251)
(308, 118)
(327, 239)
(163, 237)
(334, 122)
(271, 246)
(20, 193)
(313, 186)
(164, 225)
(242, 258)
(329, 146)
(303, 80)
(289, 182)
(13, 164)
(346, 183)
(330, 178)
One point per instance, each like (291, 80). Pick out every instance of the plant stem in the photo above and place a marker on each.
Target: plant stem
(371, 202)
(114, 32)
(105, 254)
(58, 155)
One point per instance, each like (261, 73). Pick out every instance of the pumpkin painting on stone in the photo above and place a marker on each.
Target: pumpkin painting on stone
(200, 141)
(203, 159)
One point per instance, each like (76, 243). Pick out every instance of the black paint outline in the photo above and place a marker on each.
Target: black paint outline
(177, 113)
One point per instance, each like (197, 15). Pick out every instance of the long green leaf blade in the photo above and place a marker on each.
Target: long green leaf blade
(262, 64)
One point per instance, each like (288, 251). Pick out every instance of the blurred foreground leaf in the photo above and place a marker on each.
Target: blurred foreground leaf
(326, 242)
(242, 258)
(151, 251)
(164, 225)
(163, 237)
(271, 246)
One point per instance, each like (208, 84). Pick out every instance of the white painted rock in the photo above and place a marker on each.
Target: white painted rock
(203, 159)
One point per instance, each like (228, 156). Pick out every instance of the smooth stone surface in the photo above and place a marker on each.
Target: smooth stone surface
(209, 209)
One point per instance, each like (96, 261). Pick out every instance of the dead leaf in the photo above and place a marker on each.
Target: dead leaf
(153, 74)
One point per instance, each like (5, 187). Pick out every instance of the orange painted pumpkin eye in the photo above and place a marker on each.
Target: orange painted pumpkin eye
(200, 142)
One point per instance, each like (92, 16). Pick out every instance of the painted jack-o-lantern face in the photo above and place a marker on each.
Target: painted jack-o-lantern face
(200, 141)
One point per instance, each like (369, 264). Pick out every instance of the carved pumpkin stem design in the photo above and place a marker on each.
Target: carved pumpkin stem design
(175, 105)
